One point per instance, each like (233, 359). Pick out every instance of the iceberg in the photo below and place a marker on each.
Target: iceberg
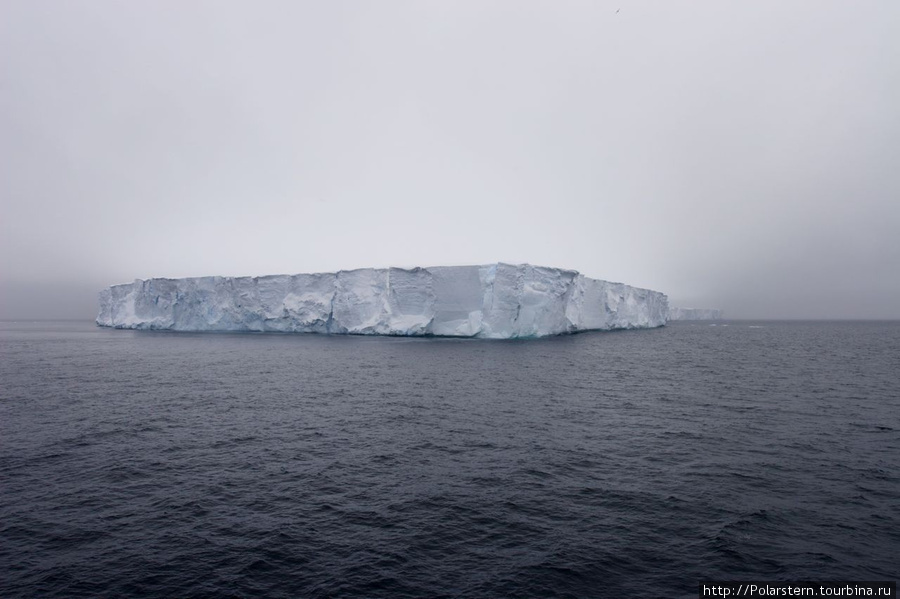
(695, 314)
(496, 301)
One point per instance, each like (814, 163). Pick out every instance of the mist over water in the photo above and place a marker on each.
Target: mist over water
(739, 156)
(623, 464)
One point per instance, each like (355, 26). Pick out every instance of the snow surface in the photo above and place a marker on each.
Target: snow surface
(497, 301)
(695, 314)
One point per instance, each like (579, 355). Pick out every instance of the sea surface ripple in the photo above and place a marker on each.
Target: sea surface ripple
(628, 464)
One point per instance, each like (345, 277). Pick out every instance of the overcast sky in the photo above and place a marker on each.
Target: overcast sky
(742, 155)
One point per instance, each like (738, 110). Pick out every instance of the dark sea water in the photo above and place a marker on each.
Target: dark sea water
(627, 464)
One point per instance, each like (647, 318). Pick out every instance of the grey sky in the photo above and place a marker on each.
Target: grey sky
(742, 155)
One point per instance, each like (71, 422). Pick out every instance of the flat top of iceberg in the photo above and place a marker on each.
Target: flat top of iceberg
(353, 270)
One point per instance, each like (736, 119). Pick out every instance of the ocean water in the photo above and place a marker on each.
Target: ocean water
(626, 464)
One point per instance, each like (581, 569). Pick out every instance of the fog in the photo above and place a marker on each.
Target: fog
(743, 156)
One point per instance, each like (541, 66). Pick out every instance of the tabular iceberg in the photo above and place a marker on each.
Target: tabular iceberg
(695, 314)
(497, 301)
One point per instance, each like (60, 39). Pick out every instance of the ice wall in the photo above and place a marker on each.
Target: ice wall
(497, 301)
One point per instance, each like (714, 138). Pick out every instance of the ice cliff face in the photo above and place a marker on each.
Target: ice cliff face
(695, 314)
(498, 301)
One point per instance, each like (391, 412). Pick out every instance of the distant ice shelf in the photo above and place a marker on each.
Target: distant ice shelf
(695, 314)
(496, 301)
